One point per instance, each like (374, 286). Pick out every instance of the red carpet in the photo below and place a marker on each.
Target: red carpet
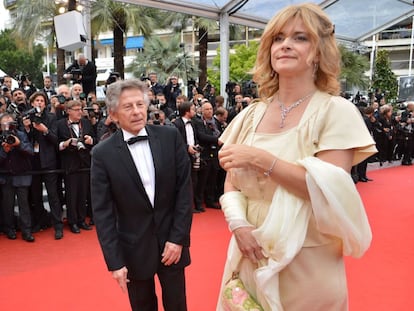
(70, 274)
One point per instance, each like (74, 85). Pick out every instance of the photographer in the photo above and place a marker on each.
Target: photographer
(15, 159)
(188, 132)
(75, 141)
(207, 132)
(26, 85)
(154, 85)
(82, 71)
(172, 91)
(57, 102)
(41, 129)
(19, 103)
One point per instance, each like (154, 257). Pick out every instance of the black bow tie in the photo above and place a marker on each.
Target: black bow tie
(75, 122)
(134, 139)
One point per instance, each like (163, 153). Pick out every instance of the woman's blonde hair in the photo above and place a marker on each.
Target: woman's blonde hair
(321, 35)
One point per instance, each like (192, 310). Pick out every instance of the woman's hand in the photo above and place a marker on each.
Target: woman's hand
(247, 244)
(237, 156)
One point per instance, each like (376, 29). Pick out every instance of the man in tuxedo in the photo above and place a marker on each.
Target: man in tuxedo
(141, 198)
(75, 140)
(188, 133)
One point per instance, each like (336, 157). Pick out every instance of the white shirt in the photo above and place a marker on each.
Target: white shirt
(142, 156)
(189, 132)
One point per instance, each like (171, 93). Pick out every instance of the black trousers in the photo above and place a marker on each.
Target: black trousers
(142, 296)
(207, 178)
(9, 192)
(76, 193)
(36, 198)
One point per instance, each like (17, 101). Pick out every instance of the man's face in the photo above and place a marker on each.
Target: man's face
(131, 113)
(74, 113)
(174, 80)
(162, 99)
(223, 117)
(19, 97)
(153, 78)
(64, 90)
(8, 82)
(76, 90)
(39, 101)
(47, 83)
(207, 110)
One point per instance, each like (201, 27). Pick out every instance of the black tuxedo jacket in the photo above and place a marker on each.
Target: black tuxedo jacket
(71, 158)
(179, 124)
(131, 231)
(47, 143)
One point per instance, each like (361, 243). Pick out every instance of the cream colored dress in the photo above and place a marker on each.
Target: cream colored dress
(305, 269)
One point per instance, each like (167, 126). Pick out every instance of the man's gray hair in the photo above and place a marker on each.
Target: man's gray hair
(115, 89)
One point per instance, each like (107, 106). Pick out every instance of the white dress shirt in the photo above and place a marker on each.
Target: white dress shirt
(142, 156)
(189, 132)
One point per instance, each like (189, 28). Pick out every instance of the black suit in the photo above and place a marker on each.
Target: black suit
(76, 164)
(207, 176)
(179, 123)
(45, 158)
(132, 232)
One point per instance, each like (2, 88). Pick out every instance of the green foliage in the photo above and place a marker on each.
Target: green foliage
(15, 61)
(353, 68)
(384, 78)
(241, 61)
(163, 57)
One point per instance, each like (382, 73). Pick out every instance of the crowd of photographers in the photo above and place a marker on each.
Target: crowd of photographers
(47, 135)
(392, 129)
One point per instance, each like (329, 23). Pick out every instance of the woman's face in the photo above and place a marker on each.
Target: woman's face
(290, 50)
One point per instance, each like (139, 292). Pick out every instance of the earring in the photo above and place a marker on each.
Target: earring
(272, 74)
(315, 69)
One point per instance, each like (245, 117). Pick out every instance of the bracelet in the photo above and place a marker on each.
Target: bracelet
(270, 170)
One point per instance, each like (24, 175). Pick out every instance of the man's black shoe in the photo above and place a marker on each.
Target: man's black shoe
(84, 226)
(213, 205)
(28, 237)
(74, 228)
(58, 234)
(363, 179)
(11, 235)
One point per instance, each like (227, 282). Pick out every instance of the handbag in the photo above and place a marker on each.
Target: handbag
(235, 297)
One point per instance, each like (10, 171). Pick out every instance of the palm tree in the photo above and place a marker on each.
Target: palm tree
(108, 15)
(33, 20)
(353, 68)
(161, 57)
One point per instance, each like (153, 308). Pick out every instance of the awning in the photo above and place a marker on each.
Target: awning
(134, 42)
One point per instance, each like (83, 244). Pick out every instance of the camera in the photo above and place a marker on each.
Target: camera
(78, 143)
(76, 74)
(144, 78)
(35, 115)
(82, 96)
(244, 104)
(15, 109)
(8, 133)
(197, 157)
(61, 99)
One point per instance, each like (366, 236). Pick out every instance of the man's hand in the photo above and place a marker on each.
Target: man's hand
(121, 277)
(171, 254)
(88, 140)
